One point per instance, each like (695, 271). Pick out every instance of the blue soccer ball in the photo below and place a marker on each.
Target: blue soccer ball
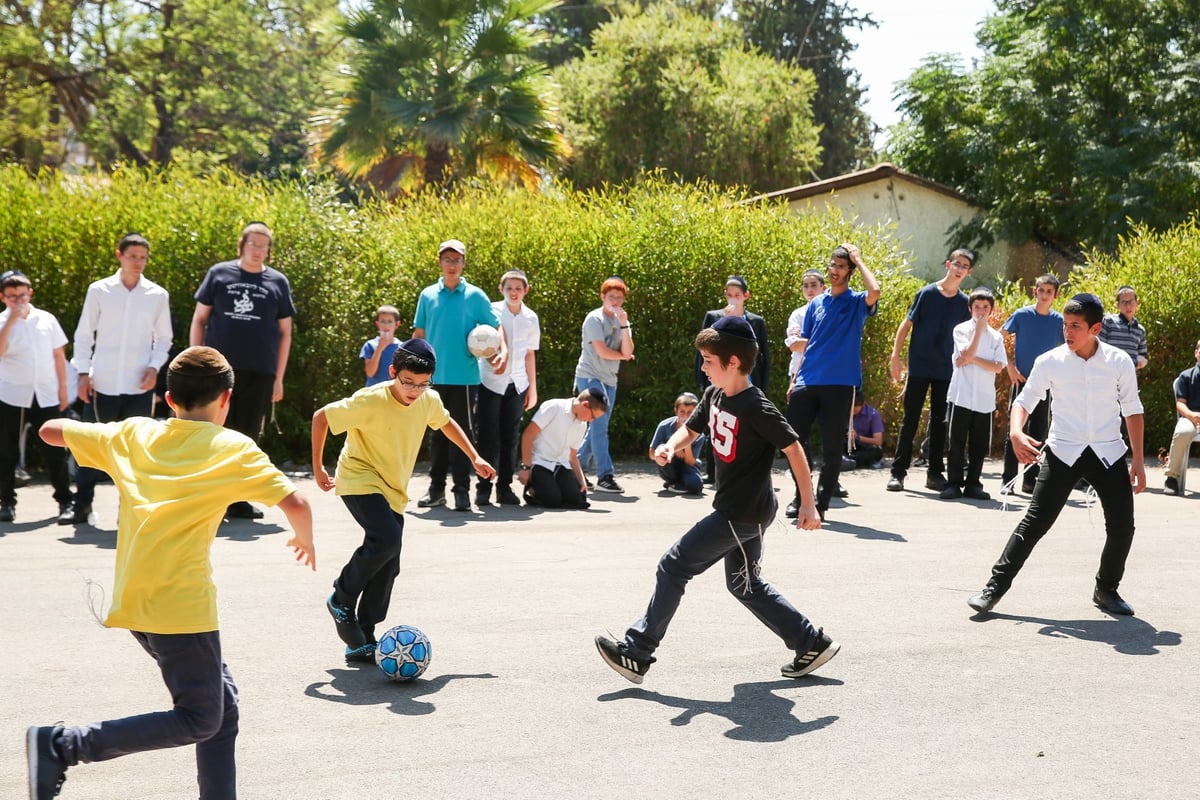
(403, 653)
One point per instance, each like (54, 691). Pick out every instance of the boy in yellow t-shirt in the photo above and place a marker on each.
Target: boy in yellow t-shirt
(174, 477)
(384, 426)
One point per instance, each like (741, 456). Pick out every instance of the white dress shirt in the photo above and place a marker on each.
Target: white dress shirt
(121, 332)
(972, 387)
(27, 366)
(795, 320)
(524, 334)
(1087, 400)
(559, 433)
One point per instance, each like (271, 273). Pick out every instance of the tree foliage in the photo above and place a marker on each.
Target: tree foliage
(668, 89)
(1080, 121)
(443, 90)
(230, 82)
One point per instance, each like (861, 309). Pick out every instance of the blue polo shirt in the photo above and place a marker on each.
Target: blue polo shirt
(447, 316)
(1035, 335)
(833, 327)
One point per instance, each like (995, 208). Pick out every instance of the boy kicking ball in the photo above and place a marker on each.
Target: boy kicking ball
(745, 430)
(385, 424)
(175, 477)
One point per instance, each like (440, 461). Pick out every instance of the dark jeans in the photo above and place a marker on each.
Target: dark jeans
(554, 489)
(498, 430)
(1037, 425)
(830, 406)
(914, 400)
(710, 540)
(679, 472)
(1054, 486)
(108, 408)
(867, 454)
(443, 454)
(970, 440)
(11, 431)
(367, 579)
(250, 403)
(205, 713)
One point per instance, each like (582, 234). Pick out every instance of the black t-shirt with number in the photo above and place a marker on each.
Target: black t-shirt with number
(745, 430)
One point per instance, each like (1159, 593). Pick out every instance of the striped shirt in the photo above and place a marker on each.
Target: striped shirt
(1128, 336)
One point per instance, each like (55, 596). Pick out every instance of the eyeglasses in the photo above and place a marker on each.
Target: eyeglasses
(451, 259)
(18, 297)
(415, 387)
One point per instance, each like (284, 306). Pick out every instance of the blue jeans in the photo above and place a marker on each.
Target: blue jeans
(681, 473)
(108, 408)
(367, 579)
(710, 540)
(205, 714)
(595, 444)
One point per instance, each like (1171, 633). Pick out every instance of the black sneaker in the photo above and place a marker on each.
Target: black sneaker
(935, 482)
(432, 499)
(364, 654)
(950, 493)
(506, 497)
(346, 622)
(895, 484)
(986, 600)
(804, 663)
(239, 510)
(78, 515)
(617, 656)
(607, 484)
(1108, 600)
(1171, 486)
(976, 493)
(793, 509)
(1027, 486)
(462, 500)
(8, 513)
(47, 770)
(483, 497)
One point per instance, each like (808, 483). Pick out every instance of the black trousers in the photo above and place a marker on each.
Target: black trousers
(498, 430)
(1037, 425)
(250, 403)
(830, 407)
(1054, 485)
(366, 581)
(557, 488)
(11, 431)
(445, 457)
(970, 440)
(108, 408)
(914, 400)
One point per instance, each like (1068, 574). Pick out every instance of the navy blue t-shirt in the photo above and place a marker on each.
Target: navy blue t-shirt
(931, 341)
(246, 309)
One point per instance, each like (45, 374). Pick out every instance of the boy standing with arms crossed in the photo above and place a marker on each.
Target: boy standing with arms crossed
(384, 424)
(1091, 385)
(746, 430)
(174, 477)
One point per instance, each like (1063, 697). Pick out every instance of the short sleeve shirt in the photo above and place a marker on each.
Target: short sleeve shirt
(246, 309)
(1187, 387)
(833, 326)
(931, 343)
(1036, 333)
(972, 387)
(666, 429)
(599, 327)
(27, 366)
(559, 432)
(382, 373)
(447, 316)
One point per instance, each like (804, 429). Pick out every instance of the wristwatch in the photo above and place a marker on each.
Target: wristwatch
(523, 467)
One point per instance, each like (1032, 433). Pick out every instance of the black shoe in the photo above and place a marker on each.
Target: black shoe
(47, 770)
(840, 491)
(432, 499)
(709, 480)
(976, 493)
(986, 599)
(506, 497)
(617, 656)
(346, 623)
(75, 515)
(848, 463)
(1108, 600)
(8, 513)
(364, 654)
(1171, 486)
(1027, 486)
(950, 493)
(895, 484)
(483, 497)
(804, 663)
(607, 484)
(935, 482)
(239, 510)
(793, 509)
(462, 500)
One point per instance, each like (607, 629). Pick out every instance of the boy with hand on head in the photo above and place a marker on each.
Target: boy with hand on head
(550, 468)
(1036, 328)
(746, 431)
(174, 477)
(978, 356)
(680, 474)
(1091, 386)
(509, 388)
(377, 353)
(384, 424)
(33, 388)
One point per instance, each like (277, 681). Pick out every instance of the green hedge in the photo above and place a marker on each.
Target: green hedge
(674, 245)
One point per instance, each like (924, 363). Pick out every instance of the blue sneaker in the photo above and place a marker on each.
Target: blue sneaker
(47, 770)
(362, 655)
(347, 624)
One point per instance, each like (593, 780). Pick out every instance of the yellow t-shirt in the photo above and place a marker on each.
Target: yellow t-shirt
(382, 439)
(175, 477)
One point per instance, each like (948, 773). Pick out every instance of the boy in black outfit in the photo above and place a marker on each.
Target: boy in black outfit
(745, 430)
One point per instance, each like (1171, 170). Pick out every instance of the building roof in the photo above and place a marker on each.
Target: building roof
(880, 172)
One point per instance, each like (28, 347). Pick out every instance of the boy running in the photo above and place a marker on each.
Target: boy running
(746, 430)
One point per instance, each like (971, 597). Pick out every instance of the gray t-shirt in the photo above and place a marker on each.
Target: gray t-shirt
(598, 326)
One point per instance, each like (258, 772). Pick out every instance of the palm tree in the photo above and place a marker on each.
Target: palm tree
(443, 90)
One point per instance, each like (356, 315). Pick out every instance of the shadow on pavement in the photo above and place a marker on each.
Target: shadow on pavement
(365, 685)
(245, 530)
(1128, 635)
(758, 714)
(861, 531)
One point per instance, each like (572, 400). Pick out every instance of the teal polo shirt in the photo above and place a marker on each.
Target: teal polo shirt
(447, 316)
